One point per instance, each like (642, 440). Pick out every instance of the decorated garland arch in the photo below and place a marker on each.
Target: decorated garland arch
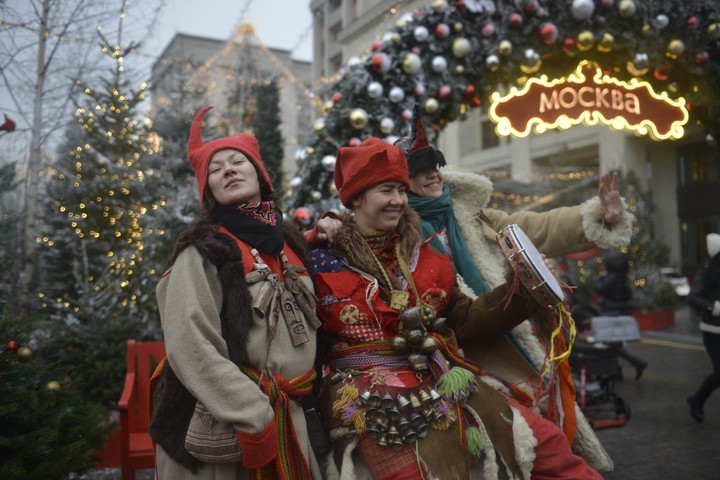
(453, 55)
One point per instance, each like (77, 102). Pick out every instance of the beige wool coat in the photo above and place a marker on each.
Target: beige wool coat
(190, 299)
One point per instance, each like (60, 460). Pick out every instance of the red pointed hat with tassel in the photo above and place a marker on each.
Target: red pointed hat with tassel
(200, 153)
(422, 155)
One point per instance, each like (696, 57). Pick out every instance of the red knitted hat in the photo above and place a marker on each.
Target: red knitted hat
(374, 161)
(200, 153)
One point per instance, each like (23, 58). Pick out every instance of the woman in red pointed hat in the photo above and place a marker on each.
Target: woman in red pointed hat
(237, 310)
(401, 401)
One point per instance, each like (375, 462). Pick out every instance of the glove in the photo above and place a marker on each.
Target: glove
(716, 309)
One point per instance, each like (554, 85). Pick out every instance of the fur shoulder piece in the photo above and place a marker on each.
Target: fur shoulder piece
(468, 189)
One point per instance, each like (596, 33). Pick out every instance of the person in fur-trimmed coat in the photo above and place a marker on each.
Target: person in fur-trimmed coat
(454, 209)
(400, 400)
(237, 341)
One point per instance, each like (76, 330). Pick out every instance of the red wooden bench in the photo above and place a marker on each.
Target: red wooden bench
(136, 445)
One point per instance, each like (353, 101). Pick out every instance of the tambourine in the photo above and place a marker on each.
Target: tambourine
(530, 267)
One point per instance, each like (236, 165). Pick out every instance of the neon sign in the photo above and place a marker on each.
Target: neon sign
(588, 96)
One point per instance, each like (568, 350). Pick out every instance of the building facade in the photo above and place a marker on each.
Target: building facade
(193, 72)
(682, 176)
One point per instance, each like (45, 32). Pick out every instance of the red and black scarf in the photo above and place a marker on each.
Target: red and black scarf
(256, 223)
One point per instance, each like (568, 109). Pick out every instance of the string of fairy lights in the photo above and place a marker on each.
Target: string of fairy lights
(126, 224)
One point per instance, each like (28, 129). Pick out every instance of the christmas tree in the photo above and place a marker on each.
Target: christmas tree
(265, 125)
(48, 428)
(451, 56)
(103, 195)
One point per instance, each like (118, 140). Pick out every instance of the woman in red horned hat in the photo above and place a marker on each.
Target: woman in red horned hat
(401, 402)
(238, 316)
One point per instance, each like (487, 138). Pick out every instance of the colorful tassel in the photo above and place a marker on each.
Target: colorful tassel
(475, 440)
(456, 383)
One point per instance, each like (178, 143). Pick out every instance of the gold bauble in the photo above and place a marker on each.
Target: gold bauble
(627, 8)
(714, 30)
(505, 48)
(431, 105)
(459, 69)
(458, 27)
(585, 40)
(439, 5)
(606, 43)
(358, 118)
(319, 125)
(310, 150)
(328, 106)
(461, 47)
(675, 48)
(315, 195)
(24, 354)
(53, 385)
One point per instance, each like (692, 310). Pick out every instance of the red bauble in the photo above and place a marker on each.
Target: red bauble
(380, 63)
(419, 90)
(702, 57)
(548, 33)
(415, 50)
(353, 142)
(515, 20)
(12, 346)
(662, 72)
(469, 92)
(336, 97)
(476, 101)
(488, 30)
(444, 92)
(442, 31)
(375, 45)
(303, 217)
(693, 22)
(569, 46)
(600, 21)
(606, 3)
(530, 6)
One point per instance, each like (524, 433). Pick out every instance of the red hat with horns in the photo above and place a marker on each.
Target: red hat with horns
(200, 153)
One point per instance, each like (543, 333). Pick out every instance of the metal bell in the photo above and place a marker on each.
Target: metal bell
(414, 401)
(434, 395)
(393, 432)
(397, 443)
(437, 415)
(387, 402)
(424, 396)
(411, 318)
(374, 430)
(373, 400)
(439, 325)
(382, 441)
(428, 414)
(415, 336)
(364, 397)
(382, 420)
(416, 420)
(429, 345)
(402, 401)
(418, 362)
(393, 413)
(372, 414)
(410, 435)
(423, 430)
(336, 376)
(403, 424)
(399, 344)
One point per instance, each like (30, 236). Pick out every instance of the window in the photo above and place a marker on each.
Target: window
(699, 163)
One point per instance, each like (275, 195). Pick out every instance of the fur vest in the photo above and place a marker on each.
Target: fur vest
(173, 404)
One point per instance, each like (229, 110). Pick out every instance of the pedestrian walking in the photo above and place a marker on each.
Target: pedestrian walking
(704, 298)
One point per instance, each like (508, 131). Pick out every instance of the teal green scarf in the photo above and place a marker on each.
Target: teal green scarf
(437, 213)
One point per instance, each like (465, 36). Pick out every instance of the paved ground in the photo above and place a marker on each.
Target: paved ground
(660, 441)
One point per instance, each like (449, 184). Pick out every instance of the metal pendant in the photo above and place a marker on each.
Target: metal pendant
(294, 323)
(399, 300)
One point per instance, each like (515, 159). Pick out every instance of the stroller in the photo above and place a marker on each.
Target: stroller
(595, 368)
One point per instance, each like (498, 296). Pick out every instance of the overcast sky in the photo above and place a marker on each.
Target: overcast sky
(281, 24)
